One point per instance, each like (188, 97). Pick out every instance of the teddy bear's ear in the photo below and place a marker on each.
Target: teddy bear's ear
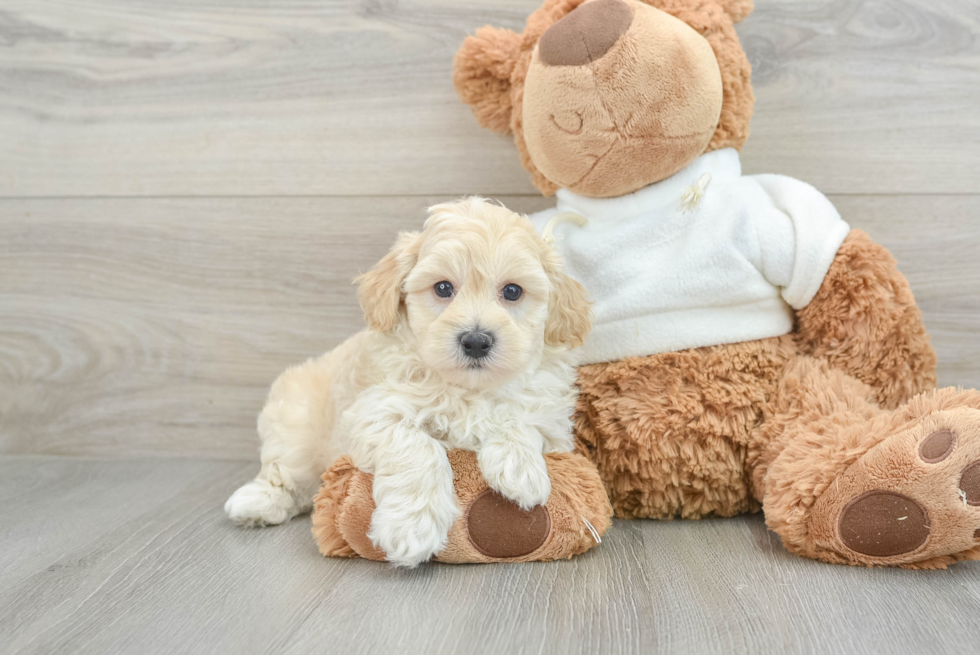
(737, 9)
(482, 72)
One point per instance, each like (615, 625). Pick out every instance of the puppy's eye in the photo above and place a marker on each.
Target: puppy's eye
(443, 289)
(511, 292)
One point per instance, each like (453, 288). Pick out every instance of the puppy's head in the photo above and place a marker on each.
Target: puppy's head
(481, 292)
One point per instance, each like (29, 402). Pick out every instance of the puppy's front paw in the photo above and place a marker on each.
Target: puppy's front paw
(515, 473)
(260, 503)
(411, 533)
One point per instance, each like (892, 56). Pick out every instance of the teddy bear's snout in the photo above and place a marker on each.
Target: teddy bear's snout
(585, 34)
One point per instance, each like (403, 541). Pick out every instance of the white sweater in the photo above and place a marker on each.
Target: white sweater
(731, 267)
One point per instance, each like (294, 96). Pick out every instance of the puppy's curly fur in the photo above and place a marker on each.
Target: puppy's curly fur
(395, 397)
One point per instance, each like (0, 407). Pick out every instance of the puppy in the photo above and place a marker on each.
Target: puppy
(470, 324)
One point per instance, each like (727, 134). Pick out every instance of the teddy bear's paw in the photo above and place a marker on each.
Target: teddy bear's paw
(411, 531)
(261, 503)
(515, 473)
(913, 498)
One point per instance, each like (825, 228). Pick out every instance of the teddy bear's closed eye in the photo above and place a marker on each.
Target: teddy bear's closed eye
(569, 122)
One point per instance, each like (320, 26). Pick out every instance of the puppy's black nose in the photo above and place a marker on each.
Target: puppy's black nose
(476, 345)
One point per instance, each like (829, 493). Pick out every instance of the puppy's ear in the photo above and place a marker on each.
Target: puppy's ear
(481, 73)
(380, 289)
(569, 310)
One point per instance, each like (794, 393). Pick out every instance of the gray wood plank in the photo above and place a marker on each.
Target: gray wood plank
(136, 327)
(236, 97)
(866, 97)
(136, 556)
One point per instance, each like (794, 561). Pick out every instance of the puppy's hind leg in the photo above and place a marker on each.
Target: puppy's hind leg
(295, 430)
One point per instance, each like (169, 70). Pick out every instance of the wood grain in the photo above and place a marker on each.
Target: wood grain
(334, 97)
(135, 327)
(136, 557)
(866, 97)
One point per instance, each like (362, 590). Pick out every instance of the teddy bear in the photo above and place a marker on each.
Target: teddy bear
(750, 349)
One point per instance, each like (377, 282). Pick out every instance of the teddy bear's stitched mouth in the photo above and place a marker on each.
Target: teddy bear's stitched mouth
(598, 159)
(628, 137)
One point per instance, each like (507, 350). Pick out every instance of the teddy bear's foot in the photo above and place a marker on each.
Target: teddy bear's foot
(913, 500)
(491, 527)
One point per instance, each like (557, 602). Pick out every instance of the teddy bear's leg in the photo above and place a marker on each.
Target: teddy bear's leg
(864, 321)
(490, 527)
(845, 481)
(670, 433)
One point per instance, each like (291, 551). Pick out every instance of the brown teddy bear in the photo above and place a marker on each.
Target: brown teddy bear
(750, 349)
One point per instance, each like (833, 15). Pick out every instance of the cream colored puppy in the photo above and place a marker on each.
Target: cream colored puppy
(470, 324)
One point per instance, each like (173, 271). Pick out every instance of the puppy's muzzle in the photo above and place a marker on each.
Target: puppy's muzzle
(476, 344)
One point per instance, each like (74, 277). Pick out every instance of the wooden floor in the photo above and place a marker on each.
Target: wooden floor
(186, 190)
(136, 556)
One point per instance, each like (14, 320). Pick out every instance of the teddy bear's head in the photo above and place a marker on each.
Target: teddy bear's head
(607, 96)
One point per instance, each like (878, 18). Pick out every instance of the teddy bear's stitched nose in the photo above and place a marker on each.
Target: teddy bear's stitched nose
(585, 34)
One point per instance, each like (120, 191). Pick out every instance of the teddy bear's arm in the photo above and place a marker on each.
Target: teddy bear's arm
(864, 320)
(490, 529)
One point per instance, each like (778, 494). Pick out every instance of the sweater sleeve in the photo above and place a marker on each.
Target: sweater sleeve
(799, 236)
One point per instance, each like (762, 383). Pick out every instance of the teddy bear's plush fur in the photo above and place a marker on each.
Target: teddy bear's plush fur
(835, 430)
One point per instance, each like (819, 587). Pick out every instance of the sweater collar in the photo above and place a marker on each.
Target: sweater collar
(720, 164)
